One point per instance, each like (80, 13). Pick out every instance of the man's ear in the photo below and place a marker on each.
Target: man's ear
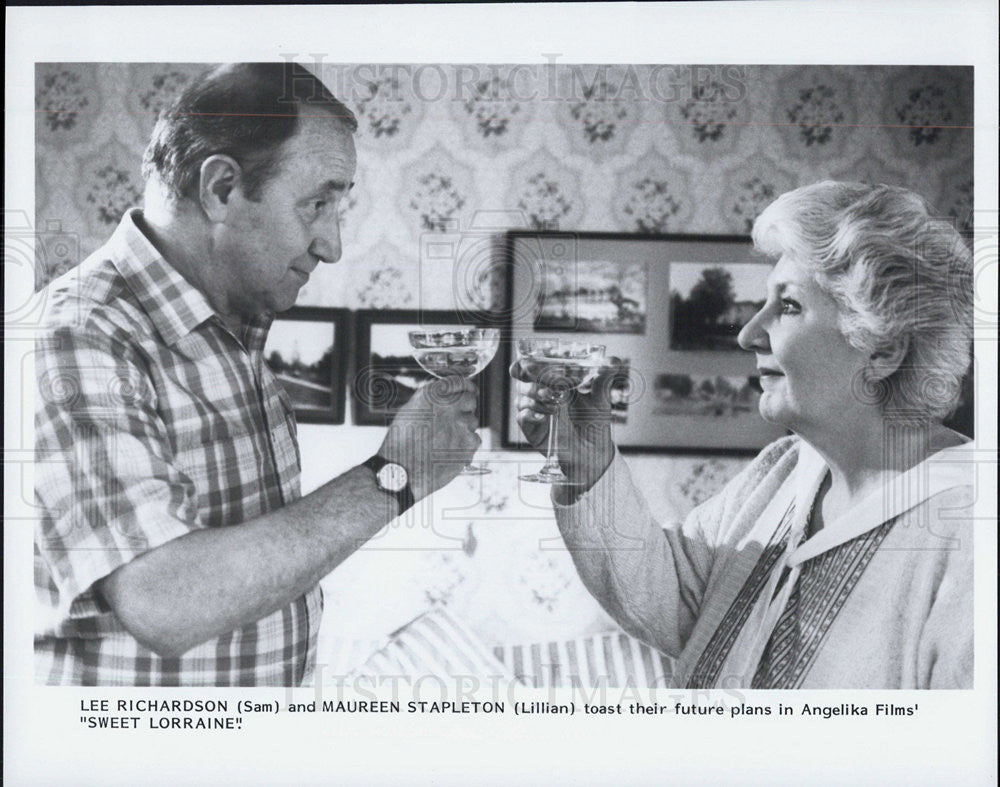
(220, 176)
(884, 363)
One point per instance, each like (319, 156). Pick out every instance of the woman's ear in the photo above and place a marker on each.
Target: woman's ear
(220, 175)
(884, 363)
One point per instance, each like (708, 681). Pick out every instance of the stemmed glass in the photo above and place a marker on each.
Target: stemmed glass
(561, 366)
(462, 352)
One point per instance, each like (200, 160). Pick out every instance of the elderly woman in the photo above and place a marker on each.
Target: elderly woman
(841, 557)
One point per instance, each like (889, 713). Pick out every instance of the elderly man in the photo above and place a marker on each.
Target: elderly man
(174, 547)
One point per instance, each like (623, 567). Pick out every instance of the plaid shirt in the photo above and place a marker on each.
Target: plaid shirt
(152, 421)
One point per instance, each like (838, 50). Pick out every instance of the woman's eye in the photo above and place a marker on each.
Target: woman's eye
(788, 306)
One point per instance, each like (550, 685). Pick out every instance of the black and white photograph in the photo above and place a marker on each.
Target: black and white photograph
(712, 397)
(710, 304)
(593, 296)
(387, 373)
(620, 391)
(706, 409)
(756, 240)
(660, 271)
(306, 350)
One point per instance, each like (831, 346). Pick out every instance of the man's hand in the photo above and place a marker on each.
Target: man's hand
(583, 432)
(434, 434)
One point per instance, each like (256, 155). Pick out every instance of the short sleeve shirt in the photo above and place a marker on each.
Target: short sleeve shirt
(152, 421)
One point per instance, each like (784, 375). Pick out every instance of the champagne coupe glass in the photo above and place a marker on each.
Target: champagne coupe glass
(464, 352)
(561, 366)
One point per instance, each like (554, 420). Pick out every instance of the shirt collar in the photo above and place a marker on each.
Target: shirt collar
(175, 306)
(942, 470)
(255, 332)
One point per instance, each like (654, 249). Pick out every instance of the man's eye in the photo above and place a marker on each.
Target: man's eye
(314, 208)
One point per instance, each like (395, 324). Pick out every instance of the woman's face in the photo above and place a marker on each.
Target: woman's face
(807, 368)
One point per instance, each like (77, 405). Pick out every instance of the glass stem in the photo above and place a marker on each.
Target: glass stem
(551, 464)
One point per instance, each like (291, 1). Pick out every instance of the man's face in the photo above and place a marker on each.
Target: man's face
(266, 249)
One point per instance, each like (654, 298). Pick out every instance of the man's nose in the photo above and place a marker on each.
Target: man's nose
(326, 242)
(753, 336)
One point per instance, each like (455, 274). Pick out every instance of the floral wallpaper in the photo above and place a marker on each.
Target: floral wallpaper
(569, 147)
(459, 153)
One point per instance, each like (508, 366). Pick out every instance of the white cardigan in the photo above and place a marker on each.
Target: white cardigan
(904, 619)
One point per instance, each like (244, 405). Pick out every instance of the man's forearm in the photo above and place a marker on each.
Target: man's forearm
(212, 581)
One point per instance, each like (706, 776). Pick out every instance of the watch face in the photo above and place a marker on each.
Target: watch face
(392, 477)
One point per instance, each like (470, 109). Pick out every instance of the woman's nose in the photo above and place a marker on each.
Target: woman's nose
(753, 336)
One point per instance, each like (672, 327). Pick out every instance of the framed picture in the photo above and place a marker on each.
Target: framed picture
(387, 374)
(306, 350)
(669, 307)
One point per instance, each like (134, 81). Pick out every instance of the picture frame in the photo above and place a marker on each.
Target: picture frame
(307, 349)
(669, 307)
(386, 373)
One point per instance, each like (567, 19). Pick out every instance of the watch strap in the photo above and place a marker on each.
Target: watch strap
(404, 496)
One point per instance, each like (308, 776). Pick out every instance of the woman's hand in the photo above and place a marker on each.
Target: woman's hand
(583, 431)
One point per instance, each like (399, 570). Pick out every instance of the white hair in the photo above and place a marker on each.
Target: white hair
(897, 274)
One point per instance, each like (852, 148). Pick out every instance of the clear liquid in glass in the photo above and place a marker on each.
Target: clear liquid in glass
(558, 367)
(461, 352)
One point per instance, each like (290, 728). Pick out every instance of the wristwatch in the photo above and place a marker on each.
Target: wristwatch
(392, 479)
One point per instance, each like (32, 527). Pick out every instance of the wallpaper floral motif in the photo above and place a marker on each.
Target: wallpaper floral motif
(109, 184)
(68, 99)
(386, 111)
(652, 196)
(708, 121)
(545, 193)
(752, 187)
(381, 283)
(817, 112)
(492, 113)
(922, 104)
(956, 194)
(595, 117)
